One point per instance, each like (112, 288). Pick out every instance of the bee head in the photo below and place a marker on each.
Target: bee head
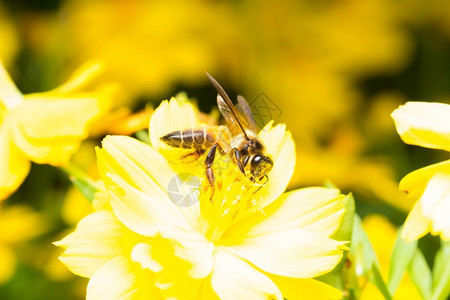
(260, 165)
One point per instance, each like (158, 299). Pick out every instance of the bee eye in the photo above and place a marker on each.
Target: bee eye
(255, 161)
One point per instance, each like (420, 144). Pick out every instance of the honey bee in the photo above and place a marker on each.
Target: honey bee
(237, 139)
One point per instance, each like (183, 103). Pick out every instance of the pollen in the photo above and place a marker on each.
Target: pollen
(233, 197)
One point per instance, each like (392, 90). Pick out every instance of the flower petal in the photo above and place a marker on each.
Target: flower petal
(316, 209)
(10, 96)
(233, 278)
(424, 124)
(98, 238)
(171, 272)
(415, 182)
(176, 114)
(416, 224)
(301, 288)
(280, 146)
(81, 77)
(435, 203)
(291, 252)
(120, 278)
(15, 166)
(145, 171)
(54, 133)
(150, 217)
(206, 291)
(139, 211)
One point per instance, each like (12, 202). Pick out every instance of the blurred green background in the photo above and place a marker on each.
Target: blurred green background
(332, 70)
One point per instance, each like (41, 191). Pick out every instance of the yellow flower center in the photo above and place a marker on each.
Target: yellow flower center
(233, 198)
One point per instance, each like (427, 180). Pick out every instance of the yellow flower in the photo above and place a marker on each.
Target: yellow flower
(44, 127)
(426, 125)
(239, 243)
(17, 224)
(163, 47)
(8, 37)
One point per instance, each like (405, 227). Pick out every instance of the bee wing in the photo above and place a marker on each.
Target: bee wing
(246, 113)
(228, 116)
(227, 108)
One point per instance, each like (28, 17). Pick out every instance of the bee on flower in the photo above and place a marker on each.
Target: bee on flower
(235, 243)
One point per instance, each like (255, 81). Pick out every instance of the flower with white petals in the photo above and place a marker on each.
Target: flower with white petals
(241, 243)
(426, 125)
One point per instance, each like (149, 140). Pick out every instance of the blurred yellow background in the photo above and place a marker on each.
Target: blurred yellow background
(333, 71)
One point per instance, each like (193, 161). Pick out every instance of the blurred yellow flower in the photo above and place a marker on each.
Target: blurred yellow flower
(427, 125)
(147, 46)
(8, 38)
(122, 121)
(44, 127)
(382, 235)
(17, 224)
(239, 243)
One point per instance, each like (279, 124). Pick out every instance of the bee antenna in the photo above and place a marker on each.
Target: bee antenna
(228, 102)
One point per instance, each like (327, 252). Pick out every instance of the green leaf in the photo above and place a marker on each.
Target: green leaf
(344, 233)
(377, 279)
(420, 274)
(362, 249)
(365, 259)
(143, 136)
(402, 254)
(85, 185)
(441, 273)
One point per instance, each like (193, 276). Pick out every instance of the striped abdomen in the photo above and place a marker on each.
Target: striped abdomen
(197, 139)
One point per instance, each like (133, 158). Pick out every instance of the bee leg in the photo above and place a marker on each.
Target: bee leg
(267, 179)
(191, 157)
(236, 156)
(208, 164)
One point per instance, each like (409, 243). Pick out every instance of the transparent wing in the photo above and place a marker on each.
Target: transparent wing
(227, 108)
(228, 116)
(246, 113)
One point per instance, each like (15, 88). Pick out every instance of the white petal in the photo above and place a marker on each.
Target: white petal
(424, 124)
(144, 169)
(435, 203)
(176, 114)
(233, 278)
(121, 279)
(291, 253)
(149, 216)
(280, 146)
(314, 209)
(10, 96)
(139, 211)
(98, 238)
(416, 224)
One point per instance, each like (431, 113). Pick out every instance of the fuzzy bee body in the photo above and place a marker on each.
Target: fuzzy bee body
(196, 139)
